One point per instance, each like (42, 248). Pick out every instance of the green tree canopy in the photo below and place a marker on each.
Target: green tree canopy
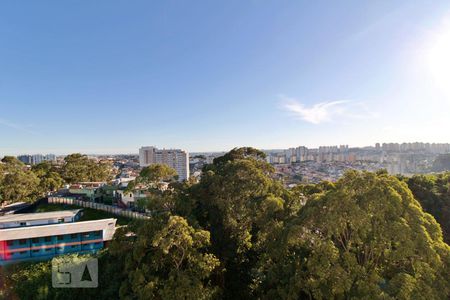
(11, 161)
(240, 153)
(167, 260)
(49, 178)
(238, 233)
(365, 238)
(155, 173)
(234, 194)
(80, 168)
(16, 183)
(158, 181)
(433, 193)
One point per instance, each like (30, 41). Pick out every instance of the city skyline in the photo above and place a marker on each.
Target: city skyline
(136, 152)
(207, 77)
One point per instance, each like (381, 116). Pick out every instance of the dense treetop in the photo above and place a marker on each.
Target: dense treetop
(433, 193)
(80, 168)
(240, 234)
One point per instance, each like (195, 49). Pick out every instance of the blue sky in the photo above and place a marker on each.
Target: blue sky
(111, 76)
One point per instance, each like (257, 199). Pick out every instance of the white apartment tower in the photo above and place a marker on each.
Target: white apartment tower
(174, 158)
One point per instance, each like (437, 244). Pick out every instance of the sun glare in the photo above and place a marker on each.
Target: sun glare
(438, 57)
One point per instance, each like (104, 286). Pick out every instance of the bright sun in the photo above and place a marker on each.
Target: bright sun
(438, 57)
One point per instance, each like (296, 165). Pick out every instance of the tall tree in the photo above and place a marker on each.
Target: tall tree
(159, 182)
(168, 260)
(49, 178)
(80, 168)
(229, 197)
(365, 238)
(16, 183)
(156, 173)
(433, 193)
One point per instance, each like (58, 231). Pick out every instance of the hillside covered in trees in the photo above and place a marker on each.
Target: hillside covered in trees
(238, 233)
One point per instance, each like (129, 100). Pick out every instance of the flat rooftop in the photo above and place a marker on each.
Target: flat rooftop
(38, 216)
(107, 225)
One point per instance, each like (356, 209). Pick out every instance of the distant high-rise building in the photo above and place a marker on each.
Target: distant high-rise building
(26, 159)
(174, 158)
(50, 157)
(36, 158)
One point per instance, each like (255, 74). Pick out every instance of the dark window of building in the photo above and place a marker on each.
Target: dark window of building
(9, 243)
(23, 252)
(48, 238)
(22, 241)
(61, 220)
(86, 234)
(73, 236)
(35, 240)
(48, 249)
(35, 251)
(74, 246)
(60, 237)
(23, 224)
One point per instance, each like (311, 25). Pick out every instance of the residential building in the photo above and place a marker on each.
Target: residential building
(174, 158)
(36, 158)
(26, 159)
(89, 191)
(50, 157)
(128, 199)
(37, 236)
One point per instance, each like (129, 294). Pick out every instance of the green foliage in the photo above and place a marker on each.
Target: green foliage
(240, 234)
(230, 196)
(156, 173)
(158, 180)
(33, 281)
(240, 153)
(80, 168)
(167, 260)
(16, 183)
(365, 238)
(11, 161)
(49, 178)
(433, 193)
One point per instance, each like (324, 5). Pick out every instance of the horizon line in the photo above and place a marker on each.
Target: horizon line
(100, 153)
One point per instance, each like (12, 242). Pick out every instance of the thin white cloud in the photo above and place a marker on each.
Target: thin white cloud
(326, 111)
(378, 25)
(15, 126)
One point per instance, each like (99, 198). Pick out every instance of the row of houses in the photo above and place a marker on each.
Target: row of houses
(112, 193)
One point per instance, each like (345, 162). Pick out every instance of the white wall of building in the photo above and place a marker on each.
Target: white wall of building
(174, 158)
